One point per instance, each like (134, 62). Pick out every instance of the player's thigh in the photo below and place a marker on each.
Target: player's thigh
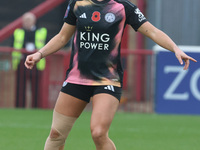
(104, 109)
(69, 105)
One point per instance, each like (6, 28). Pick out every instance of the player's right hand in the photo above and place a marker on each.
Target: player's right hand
(32, 59)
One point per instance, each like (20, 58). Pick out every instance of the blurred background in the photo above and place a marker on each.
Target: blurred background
(153, 80)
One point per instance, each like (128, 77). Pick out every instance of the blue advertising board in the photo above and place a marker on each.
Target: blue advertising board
(177, 91)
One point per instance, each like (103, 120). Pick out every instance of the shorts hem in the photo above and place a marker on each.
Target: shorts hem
(73, 95)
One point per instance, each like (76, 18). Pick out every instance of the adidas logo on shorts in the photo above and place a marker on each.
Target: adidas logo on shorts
(110, 87)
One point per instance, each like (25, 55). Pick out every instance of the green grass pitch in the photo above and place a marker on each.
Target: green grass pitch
(27, 129)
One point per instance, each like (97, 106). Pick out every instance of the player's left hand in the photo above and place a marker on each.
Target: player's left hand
(181, 56)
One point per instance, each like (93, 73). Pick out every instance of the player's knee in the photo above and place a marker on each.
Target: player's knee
(54, 134)
(55, 141)
(61, 127)
(98, 133)
(56, 137)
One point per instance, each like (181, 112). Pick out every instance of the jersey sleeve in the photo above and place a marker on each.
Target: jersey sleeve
(134, 16)
(70, 17)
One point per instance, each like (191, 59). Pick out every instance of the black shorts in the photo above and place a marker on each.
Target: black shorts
(85, 92)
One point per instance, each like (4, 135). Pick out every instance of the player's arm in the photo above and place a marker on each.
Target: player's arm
(55, 44)
(165, 41)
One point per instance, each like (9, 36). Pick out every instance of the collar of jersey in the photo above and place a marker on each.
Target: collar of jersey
(100, 2)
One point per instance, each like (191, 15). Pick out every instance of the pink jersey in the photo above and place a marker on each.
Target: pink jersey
(95, 58)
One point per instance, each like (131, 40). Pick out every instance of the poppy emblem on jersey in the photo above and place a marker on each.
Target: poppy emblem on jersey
(110, 17)
(96, 16)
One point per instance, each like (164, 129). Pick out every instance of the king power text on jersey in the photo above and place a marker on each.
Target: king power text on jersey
(90, 40)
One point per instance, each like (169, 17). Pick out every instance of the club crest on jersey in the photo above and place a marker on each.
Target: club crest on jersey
(96, 16)
(110, 17)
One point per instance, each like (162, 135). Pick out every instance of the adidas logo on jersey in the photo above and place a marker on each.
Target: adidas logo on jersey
(83, 16)
(110, 87)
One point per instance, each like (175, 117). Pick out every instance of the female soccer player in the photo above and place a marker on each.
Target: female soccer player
(95, 69)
